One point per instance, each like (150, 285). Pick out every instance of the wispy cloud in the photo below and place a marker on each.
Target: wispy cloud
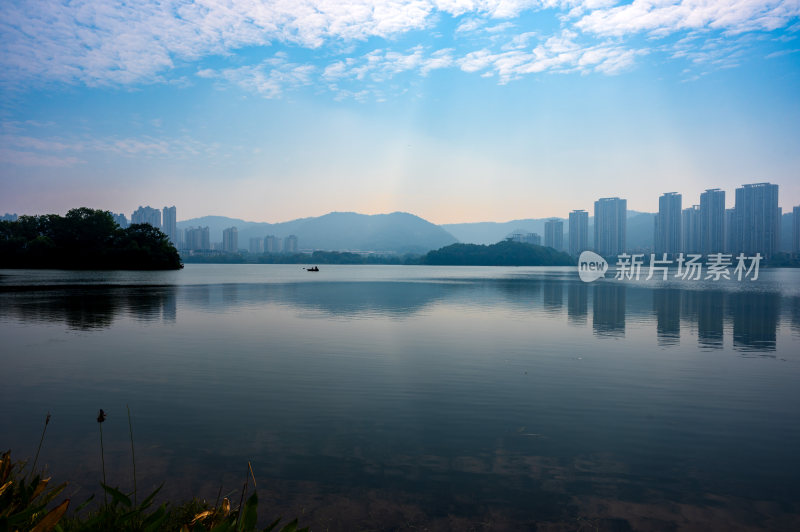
(559, 53)
(26, 158)
(100, 43)
(664, 17)
(270, 78)
(27, 150)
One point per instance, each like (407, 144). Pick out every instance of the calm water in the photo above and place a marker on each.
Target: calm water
(386, 397)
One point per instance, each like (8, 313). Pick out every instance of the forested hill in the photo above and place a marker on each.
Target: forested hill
(505, 253)
(84, 239)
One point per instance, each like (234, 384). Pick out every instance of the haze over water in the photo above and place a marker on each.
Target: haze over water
(391, 397)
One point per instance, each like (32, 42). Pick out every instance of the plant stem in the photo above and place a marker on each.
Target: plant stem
(133, 455)
(252, 474)
(241, 501)
(103, 461)
(41, 440)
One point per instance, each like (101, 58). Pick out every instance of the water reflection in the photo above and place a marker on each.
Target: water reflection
(755, 320)
(553, 296)
(710, 311)
(752, 316)
(449, 401)
(667, 308)
(608, 309)
(577, 307)
(794, 305)
(88, 308)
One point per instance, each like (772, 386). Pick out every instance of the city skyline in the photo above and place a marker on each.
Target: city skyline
(454, 111)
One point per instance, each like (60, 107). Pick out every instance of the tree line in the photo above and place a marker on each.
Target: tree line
(505, 253)
(84, 239)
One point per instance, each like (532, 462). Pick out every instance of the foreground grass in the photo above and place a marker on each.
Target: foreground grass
(29, 503)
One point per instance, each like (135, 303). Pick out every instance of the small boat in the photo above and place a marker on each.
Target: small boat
(314, 269)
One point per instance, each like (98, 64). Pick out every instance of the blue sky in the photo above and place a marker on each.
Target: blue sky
(454, 110)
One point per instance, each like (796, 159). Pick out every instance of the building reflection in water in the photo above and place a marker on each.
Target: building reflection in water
(577, 302)
(755, 320)
(794, 308)
(667, 308)
(553, 296)
(710, 314)
(752, 316)
(608, 309)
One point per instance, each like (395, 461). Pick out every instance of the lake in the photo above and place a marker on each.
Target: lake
(395, 397)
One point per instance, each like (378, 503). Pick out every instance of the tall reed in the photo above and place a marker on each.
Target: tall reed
(133, 455)
(101, 416)
(41, 440)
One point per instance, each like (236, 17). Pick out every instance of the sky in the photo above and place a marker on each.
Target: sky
(453, 110)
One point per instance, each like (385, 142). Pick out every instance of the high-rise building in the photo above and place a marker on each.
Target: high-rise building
(270, 244)
(256, 245)
(121, 220)
(796, 230)
(610, 226)
(230, 240)
(690, 230)
(147, 215)
(578, 232)
(196, 239)
(730, 230)
(667, 228)
(712, 221)
(554, 234)
(290, 244)
(170, 224)
(757, 219)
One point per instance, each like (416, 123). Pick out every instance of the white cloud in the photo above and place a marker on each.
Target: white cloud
(25, 150)
(559, 53)
(663, 17)
(101, 43)
(26, 158)
(270, 78)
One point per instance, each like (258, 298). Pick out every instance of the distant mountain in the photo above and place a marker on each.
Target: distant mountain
(639, 231)
(492, 232)
(398, 232)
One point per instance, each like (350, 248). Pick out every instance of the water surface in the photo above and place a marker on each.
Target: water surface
(389, 397)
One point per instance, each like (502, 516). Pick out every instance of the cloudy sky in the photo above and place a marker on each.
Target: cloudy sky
(454, 110)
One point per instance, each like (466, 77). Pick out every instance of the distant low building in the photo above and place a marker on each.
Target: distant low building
(230, 240)
(257, 245)
(121, 220)
(196, 239)
(147, 215)
(7, 217)
(290, 244)
(526, 238)
(270, 244)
